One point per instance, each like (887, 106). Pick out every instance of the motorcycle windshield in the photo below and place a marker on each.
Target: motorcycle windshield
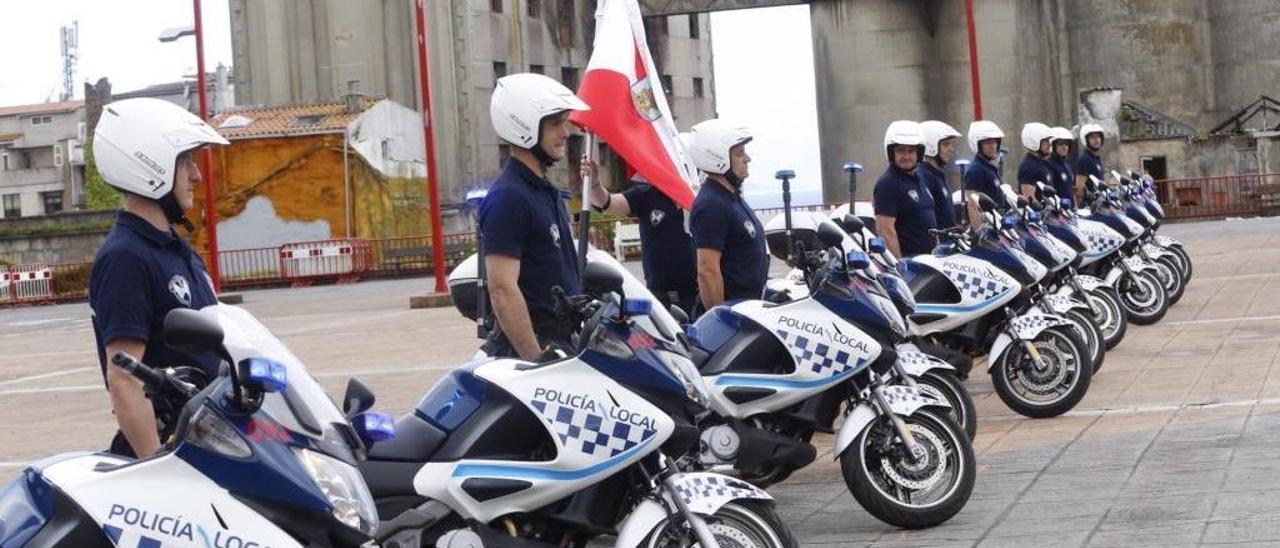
(303, 407)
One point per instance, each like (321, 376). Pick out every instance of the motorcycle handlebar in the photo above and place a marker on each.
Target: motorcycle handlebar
(139, 370)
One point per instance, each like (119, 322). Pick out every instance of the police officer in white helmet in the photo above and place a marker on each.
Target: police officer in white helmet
(146, 149)
(732, 260)
(904, 206)
(1089, 162)
(939, 152)
(528, 246)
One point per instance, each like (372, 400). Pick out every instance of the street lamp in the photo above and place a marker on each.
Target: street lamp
(211, 226)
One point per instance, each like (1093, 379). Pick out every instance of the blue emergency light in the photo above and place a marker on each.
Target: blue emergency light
(858, 259)
(373, 427)
(264, 374)
(877, 245)
(637, 307)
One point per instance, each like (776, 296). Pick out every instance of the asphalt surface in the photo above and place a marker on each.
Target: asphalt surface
(1174, 445)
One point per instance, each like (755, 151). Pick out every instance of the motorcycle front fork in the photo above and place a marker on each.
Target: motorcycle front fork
(699, 526)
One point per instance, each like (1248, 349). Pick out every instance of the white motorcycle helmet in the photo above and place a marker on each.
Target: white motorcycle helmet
(519, 104)
(709, 144)
(903, 132)
(935, 132)
(136, 145)
(1033, 133)
(1089, 129)
(982, 130)
(1061, 134)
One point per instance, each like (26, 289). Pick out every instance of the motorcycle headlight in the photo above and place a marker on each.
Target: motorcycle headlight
(683, 369)
(342, 485)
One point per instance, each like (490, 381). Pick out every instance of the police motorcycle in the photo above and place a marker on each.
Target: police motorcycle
(778, 373)
(506, 453)
(1058, 218)
(1141, 292)
(1054, 291)
(1168, 265)
(260, 457)
(922, 366)
(1147, 190)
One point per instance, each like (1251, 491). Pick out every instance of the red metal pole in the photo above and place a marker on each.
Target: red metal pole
(974, 80)
(210, 215)
(433, 184)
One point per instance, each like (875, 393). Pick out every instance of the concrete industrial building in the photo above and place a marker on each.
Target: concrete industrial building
(304, 51)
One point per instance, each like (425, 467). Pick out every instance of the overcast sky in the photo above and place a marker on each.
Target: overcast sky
(763, 69)
(118, 39)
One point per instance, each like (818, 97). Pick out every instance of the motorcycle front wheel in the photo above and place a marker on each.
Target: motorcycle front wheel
(912, 492)
(741, 523)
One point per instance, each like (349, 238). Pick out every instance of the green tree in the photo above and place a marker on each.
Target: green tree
(98, 194)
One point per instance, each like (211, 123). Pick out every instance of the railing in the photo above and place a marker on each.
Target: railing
(1217, 197)
(264, 267)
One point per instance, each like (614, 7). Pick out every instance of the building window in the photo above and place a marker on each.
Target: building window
(538, 69)
(697, 87)
(24, 160)
(57, 155)
(504, 152)
(666, 84)
(499, 70)
(4, 157)
(495, 6)
(694, 31)
(52, 201)
(535, 9)
(569, 77)
(41, 120)
(12, 205)
(565, 23)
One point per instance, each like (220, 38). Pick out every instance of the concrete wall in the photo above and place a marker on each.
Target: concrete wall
(78, 238)
(1245, 46)
(292, 51)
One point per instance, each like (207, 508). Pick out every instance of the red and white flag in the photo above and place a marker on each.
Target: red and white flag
(628, 106)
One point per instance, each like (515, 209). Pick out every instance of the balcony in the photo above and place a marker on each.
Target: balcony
(36, 176)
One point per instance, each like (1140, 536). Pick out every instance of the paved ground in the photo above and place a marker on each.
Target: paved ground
(1175, 443)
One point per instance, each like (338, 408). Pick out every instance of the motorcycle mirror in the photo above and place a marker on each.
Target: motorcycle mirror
(679, 314)
(598, 279)
(1049, 191)
(830, 236)
(851, 224)
(985, 203)
(357, 399)
(190, 332)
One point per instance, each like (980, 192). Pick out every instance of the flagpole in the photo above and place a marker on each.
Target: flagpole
(584, 215)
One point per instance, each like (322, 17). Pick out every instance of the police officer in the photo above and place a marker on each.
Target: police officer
(939, 152)
(1036, 139)
(903, 204)
(731, 257)
(1064, 176)
(528, 246)
(1089, 162)
(666, 248)
(983, 176)
(146, 149)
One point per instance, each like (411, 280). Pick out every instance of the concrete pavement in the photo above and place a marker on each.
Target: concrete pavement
(1173, 445)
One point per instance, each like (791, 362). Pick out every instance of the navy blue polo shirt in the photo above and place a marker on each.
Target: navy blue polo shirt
(982, 176)
(936, 181)
(1032, 170)
(139, 275)
(721, 220)
(524, 217)
(1088, 164)
(1064, 178)
(666, 248)
(909, 200)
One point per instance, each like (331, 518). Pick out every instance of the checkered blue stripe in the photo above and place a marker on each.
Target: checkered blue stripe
(976, 287)
(595, 435)
(906, 395)
(1023, 323)
(816, 356)
(714, 486)
(1099, 240)
(910, 358)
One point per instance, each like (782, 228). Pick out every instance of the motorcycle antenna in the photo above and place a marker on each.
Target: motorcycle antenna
(852, 168)
(786, 175)
(964, 192)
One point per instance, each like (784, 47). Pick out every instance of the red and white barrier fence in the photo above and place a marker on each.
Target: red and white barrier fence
(343, 260)
(30, 283)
